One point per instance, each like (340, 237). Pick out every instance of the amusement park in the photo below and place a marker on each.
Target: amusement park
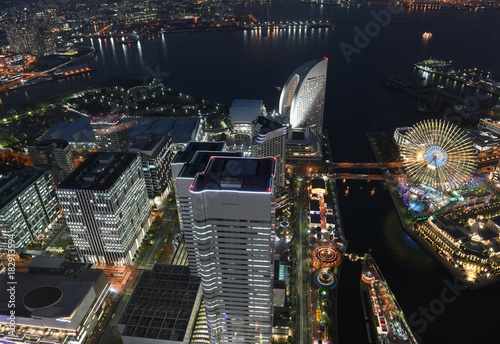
(451, 207)
(439, 160)
(325, 254)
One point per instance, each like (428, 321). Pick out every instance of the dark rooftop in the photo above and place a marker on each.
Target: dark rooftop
(267, 124)
(314, 205)
(56, 143)
(475, 248)
(46, 262)
(149, 146)
(487, 234)
(315, 218)
(99, 171)
(242, 174)
(192, 147)
(298, 135)
(15, 182)
(74, 282)
(495, 220)
(41, 297)
(200, 161)
(451, 228)
(161, 305)
(318, 183)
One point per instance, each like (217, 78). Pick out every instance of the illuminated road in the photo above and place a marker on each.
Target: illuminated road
(365, 164)
(301, 231)
(365, 176)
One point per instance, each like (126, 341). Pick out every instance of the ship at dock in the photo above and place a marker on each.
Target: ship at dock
(386, 323)
(431, 64)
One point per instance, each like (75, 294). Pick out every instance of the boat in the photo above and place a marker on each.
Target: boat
(388, 324)
(426, 35)
(431, 65)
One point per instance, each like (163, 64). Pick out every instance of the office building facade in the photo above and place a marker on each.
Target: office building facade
(303, 95)
(106, 207)
(233, 208)
(52, 153)
(270, 140)
(111, 133)
(28, 206)
(156, 156)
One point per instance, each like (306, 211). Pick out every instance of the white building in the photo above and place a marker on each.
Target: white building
(233, 208)
(190, 162)
(303, 96)
(270, 140)
(243, 112)
(106, 207)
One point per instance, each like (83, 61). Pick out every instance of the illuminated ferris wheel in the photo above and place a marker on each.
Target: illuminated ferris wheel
(438, 154)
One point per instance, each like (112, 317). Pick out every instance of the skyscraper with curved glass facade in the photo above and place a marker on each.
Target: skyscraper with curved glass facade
(303, 96)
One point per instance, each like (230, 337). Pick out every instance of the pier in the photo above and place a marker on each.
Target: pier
(473, 78)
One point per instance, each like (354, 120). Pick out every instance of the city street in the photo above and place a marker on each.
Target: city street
(301, 232)
(162, 237)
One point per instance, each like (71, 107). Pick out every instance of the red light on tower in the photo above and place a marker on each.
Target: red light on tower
(325, 58)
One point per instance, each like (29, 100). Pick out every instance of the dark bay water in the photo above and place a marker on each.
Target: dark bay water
(228, 65)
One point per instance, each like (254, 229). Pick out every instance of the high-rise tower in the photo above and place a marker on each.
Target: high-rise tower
(233, 208)
(185, 166)
(303, 96)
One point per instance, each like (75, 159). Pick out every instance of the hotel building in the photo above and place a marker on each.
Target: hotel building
(303, 96)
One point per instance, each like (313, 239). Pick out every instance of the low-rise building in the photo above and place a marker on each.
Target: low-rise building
(243, 112)
(163, 307)
(303, 144)
(56, 302)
